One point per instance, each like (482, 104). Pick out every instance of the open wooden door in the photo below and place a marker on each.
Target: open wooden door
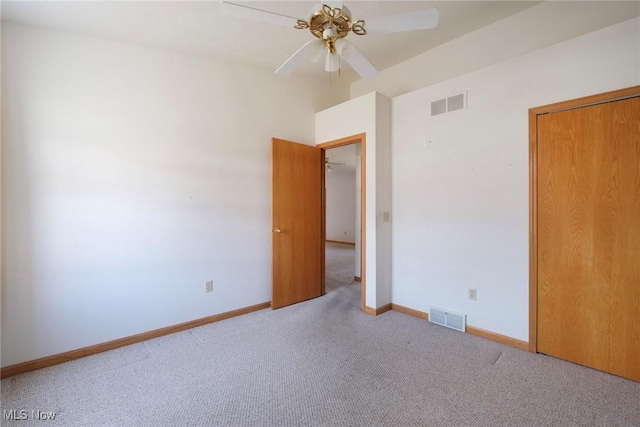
(296, 205)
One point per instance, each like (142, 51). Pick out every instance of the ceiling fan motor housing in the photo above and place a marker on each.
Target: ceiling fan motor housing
(323, 17)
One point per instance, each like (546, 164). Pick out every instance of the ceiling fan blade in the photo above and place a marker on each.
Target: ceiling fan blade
(315, 50)
(247, 12)
(309, 49)
(409, 21)
(356, 59)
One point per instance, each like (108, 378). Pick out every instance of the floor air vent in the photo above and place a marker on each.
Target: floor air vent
(447, 318)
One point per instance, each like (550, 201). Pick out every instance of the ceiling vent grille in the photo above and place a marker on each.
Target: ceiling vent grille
(448, 319)
(449, 104)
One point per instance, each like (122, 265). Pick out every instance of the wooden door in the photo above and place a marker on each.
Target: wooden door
(573, 231)
(625, 271)
(296, 223)
(589, 236)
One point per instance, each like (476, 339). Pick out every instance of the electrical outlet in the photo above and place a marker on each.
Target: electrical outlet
(208, 286)
(473, 294)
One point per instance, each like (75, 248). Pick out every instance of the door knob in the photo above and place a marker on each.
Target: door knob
(277, 230)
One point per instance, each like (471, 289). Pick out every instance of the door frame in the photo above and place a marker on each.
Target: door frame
(353, 139)
(601, 98)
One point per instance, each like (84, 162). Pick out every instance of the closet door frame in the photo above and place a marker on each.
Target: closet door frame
(616, 95)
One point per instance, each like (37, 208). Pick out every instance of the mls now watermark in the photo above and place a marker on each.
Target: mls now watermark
(23, 414)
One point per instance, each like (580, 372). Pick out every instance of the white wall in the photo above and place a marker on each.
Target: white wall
(131, 175)
(341, 205)
(383, 200)
(369, 114)
(358, 237)
(460, 180)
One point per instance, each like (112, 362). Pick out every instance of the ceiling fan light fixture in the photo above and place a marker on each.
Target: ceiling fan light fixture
(342, 48)
(332, 62)
(330, 32)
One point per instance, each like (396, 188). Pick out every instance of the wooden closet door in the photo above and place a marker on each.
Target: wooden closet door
(625, 207)
(575, 219)
(589, 236)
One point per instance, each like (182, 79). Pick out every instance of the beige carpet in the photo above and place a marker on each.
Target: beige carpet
(340, 265)
(322, 363)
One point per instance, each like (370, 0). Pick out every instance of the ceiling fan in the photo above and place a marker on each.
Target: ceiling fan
(330, 23)
(328, 164)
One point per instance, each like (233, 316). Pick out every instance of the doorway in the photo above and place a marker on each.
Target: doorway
(338, 246)
(341, 216)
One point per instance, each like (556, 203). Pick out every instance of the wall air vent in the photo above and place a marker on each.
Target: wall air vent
(447, 105)
(448, 319)
(455, 102)
(438, 107)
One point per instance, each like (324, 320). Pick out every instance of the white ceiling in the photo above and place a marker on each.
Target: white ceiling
(197, 27)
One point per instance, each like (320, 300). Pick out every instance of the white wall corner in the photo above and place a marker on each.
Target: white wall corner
(361, 115)
(383, 199)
